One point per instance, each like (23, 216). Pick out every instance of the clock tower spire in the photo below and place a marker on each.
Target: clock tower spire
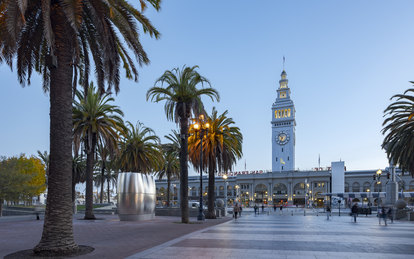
(283, 128)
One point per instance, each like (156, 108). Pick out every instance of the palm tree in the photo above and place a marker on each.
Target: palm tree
(57, 39)
(399, 128)
(222, 147)
(95, 122)
(183, 98)
(45, 159)
(78, 174)
(139, 151)
(170, 166)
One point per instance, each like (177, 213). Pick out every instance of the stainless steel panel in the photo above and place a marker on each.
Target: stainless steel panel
(136, 196)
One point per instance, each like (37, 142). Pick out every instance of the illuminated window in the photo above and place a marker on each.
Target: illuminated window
(288, 112)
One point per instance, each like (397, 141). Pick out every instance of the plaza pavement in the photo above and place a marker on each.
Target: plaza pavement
(110, 237)
(298, 236)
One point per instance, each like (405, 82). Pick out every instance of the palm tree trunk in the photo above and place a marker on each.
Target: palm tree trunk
(57, 237)
(211, 194)
(184, 170)
(108, 181)
(168, 188)
(89, 178)
(102, 180)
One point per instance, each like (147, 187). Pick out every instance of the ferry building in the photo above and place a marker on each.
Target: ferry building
(287, 186)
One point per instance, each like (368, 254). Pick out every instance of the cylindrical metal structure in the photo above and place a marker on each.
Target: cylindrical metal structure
(136, 196)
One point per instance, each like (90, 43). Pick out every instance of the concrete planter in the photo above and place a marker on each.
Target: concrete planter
(136, 196)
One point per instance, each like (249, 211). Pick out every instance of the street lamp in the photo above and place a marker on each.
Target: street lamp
(377, 179)
(225, 194)
(201, 126)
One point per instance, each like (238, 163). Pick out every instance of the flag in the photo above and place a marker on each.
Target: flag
(281, 161)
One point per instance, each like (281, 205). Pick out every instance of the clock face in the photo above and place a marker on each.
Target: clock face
(282, 138)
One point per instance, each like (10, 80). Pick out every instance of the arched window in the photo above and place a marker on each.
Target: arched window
(221, 191)
(367, 186)
(355, 187)
(280, 188)
(299, 189)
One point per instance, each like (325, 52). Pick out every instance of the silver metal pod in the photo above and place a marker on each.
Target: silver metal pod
(136, 196)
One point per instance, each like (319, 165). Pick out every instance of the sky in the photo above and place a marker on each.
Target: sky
(344, 60)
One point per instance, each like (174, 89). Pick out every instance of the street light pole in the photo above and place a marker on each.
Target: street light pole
(201, 127)
(377, 177)
(200, 211)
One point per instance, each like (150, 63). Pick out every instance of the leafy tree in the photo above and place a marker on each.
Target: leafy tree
(21, 178)
(57, 39)
(139, 150)
(399, 129)
(95, 122)
(222, 147)
(169, 167)
(183, 99)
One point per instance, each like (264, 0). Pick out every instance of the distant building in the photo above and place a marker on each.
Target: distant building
(285, 185)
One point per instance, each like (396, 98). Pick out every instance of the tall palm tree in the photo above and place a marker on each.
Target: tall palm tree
(78, 174)
(95, 122)
(169, 167)
(139, 149)
(56, 39)
(222, 147)
(399, 130)
(183, 99)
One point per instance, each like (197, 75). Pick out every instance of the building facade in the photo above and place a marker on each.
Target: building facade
(283, 184)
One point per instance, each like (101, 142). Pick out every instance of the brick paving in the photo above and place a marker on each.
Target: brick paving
(110, 237)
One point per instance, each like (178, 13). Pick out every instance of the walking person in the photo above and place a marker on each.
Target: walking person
(255, 209)
(235, 210)
(354, 211)
(240, 210)
(262, 208)
(281, 209)
(383, 215)
(390, 214)
(274, 207)
(328, 212)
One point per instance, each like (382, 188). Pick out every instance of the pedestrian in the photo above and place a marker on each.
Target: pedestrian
(383, 215)
(274, 207)
(328, 212)
(262, 208)
(390, 214)
(255, 209)
(235, 210)
(354, 211)
(240, 209)
(281, 209)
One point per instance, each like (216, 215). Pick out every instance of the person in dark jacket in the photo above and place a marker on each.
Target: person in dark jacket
(354, 211)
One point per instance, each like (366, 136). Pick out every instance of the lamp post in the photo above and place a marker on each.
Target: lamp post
(201, 126)
(377, 179)
(225, 194)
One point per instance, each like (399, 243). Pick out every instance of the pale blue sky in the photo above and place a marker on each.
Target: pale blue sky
(344, 60)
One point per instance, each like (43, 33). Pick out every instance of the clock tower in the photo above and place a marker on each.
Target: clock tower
(283, 129)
